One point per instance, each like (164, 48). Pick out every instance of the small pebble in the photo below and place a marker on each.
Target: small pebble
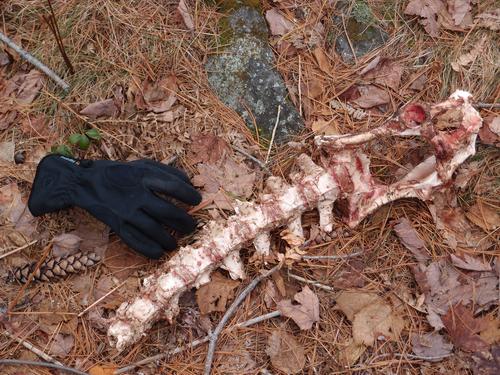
(20, 157)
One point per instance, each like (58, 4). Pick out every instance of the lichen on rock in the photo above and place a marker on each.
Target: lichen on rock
(245, 79)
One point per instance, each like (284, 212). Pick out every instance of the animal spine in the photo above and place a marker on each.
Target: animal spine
(345, 174)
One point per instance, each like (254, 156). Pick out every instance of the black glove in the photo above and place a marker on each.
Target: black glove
(120, 194)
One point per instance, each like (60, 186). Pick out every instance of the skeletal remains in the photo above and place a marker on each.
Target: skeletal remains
(344, 175)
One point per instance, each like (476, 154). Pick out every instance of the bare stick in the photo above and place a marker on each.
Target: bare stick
(229, 313)
(332, 257)
(22, 362)
(145, 361)
(33, 60)
(32, 348)
(315, 283)
(102, 298)
(257, 319)
(196, 343)
(253, 158)
(486, 105)
(5, 255)
(274, 133)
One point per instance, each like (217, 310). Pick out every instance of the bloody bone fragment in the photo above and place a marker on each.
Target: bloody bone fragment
(345, 174)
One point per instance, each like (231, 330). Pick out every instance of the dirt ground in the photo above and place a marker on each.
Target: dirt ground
(135, 54)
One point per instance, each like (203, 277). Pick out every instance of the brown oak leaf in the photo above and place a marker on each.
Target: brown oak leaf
(306, 312)
(286, 353)
(463, 329)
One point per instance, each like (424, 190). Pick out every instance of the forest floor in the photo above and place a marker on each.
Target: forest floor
(131, 58)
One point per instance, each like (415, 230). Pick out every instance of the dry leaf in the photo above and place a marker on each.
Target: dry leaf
(351, 302)
(7, 151)
(351, 353)
(325, 127)
(431, 345)
(323, 60)
(208, 148)
(418, 83)
(24, 87)
(15, 211)
(270, 294)
(490, 131)
(371, 96)
(306, 312)
(103, 370)
(82, 284)
(469, 263)
(230, 177)
(371, 65)
(123, 261)
(370, 315)
(469, 57)
(65, 244)
(386, 73)
(456, 230)
(463, 329)
(235, 359)
(4, 58)
(157, 97)
(103, 108)
(487, 363)
(489, 19)
(428, 10)
(215, 295)
(61, 345)
(444, 287)
(35, 126)
(186, 16)
(94, 234)
(484, 216)
(375, 320)
(460, 11)
(491, 330)
(350, 275)
(410, 239)
(278, 24)
(286, 353)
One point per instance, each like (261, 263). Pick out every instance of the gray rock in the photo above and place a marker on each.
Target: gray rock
(363, 31)
(244, 77)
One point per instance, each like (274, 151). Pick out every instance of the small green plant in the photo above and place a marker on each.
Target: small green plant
(82, 140)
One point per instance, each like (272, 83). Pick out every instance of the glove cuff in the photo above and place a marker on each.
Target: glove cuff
(53, 188)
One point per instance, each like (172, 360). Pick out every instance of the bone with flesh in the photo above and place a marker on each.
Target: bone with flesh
(345, 174)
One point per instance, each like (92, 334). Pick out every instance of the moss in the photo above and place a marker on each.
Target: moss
(359, 32)
(362, 13)
(227, 5)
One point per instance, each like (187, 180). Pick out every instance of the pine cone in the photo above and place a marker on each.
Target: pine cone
(53, 268)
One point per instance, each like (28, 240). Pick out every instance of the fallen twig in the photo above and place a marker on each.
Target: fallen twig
(196, 343)
(32, 348)
(273, 134)
(315, 283)
(33, 60)
(102, 298)
(22, 362)
(486, 105)
(253, 158)
(229, 313)
(332, 257)
(5, 255)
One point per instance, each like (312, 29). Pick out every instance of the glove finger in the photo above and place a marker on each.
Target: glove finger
(151, 228)
(170, 215)
(175, 188)
(163, 168)
(140, 243)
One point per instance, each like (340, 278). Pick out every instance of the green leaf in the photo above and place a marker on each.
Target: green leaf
(61, 150)
(93, 134)
(84, 142)
(74, 138)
